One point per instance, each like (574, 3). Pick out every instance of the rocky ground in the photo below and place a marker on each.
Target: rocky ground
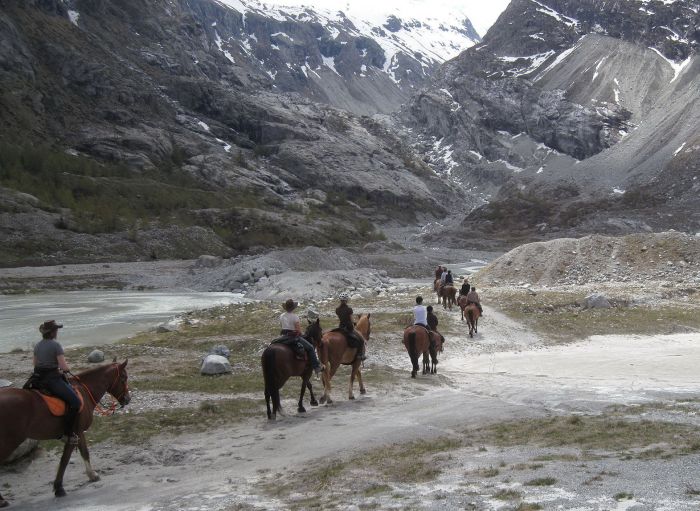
(552, 405)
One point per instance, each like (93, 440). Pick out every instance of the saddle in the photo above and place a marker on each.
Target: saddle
(292, 342)
(57, 406)
(353, 341)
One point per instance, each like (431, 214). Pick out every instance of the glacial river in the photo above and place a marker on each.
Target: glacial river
(92, 318)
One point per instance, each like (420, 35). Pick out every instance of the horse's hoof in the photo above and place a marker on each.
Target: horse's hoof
(60, 492)
(329, 401)
(94, 478)
(322, 400)
(351, 397)
(4, 503)
(314, 403)
(413, 374)
(301, 409)
(363, 391)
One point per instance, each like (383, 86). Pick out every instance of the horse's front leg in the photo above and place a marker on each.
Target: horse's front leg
(85, 454)
(312, 401)
(58, 482)
(3, 502)
(359, 380)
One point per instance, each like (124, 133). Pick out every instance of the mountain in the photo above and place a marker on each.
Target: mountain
(571, 117)
(170, 129)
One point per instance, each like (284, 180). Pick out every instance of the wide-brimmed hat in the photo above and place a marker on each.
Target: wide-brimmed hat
(290, 305)
(49, 326)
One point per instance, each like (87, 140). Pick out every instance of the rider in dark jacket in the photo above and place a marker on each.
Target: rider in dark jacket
(344, 313)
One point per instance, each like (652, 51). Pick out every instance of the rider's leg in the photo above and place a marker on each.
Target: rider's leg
(315, 363)
(62, 390)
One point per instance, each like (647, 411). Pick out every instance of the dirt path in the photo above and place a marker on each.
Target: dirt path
(503, 373)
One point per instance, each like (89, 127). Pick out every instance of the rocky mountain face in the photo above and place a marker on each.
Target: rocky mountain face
(176, 128)
(571, 117)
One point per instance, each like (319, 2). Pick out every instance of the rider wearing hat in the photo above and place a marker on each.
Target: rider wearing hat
(464, 290)
(473, 297)
(50, 368)
(344, 313)
(291, 328)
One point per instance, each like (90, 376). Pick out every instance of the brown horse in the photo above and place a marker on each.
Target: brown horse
(417, 342)
(25, 415)
(462, 302)
(448, 294)
(279, 363)
(473, 316)
(334, 351)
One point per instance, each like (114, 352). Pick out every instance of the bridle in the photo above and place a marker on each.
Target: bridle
(110, 409)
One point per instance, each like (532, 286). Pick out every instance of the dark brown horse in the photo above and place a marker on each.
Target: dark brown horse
(417, 342)
(279, 363)
(448, 294)
(25, 415)
(334, 351)
(473, 315)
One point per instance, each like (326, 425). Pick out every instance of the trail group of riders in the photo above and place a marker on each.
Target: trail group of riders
(50, 375)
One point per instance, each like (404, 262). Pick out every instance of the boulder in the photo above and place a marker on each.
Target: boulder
(208, 261)
(596, 301)
(220, 350)
(96, 356)
(215, 364)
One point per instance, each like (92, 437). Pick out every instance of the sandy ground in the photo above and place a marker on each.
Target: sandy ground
(503, 373)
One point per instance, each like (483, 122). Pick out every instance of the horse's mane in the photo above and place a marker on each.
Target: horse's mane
(94, 370)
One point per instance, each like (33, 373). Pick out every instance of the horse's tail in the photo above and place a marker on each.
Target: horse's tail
(470, 315)
(412, 351)
(271, 387)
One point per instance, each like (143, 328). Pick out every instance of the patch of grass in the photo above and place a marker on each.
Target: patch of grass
(134, 429)
(541, 481)
(376, 489)
(590, 433)
(623, 496)
(507, 495)
(558, 316)
(488, 472)
(528, 506)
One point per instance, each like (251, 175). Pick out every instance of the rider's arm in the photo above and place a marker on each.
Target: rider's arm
(62, 364)
(297, 327)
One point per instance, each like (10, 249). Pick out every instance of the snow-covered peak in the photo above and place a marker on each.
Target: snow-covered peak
(416, 29)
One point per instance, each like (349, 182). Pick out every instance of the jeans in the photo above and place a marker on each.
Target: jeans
(55, 384)
(311, 351)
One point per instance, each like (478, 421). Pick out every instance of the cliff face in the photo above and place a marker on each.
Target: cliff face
(144, 129)
(564, 116)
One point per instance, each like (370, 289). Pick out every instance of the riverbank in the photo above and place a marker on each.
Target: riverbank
(504, 425)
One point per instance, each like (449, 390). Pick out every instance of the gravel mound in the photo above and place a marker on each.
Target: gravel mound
(669, 256)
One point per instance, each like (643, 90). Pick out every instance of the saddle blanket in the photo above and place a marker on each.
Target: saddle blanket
(57, 406)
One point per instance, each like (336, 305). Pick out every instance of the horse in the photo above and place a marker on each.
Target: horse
(25, 415)
(334, 351)
(279, 363)
(462, 302)
(473, 315)
(448, 294)
(417, 342)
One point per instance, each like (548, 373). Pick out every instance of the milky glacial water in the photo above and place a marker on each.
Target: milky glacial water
(93, 318)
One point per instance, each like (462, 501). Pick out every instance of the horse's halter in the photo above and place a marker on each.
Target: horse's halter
(124, 397)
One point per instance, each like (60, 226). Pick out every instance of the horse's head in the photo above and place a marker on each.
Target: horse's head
(314, 332)
(119, 387)
(363, 326)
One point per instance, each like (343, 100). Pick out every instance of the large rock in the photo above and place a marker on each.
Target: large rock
(221, 351)
(96, 356)
(215, 364)
(596, 301)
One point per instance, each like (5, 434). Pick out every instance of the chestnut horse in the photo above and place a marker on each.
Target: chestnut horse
(25, 415)
(279, 363)
(473, 316)
(417, 342)
(462, 302)
(448, 294)
(334, 351)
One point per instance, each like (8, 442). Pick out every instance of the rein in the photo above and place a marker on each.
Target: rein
(97, 405)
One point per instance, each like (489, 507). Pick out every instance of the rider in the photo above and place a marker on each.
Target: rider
(464, 290)
(473, 297)
(449, 280)
(420, 314)
(291, 328)
(433, 322)
(344, 312)
(438, 272)
(50, 368)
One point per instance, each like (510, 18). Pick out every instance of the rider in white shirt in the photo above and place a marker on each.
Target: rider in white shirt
(420, 313)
